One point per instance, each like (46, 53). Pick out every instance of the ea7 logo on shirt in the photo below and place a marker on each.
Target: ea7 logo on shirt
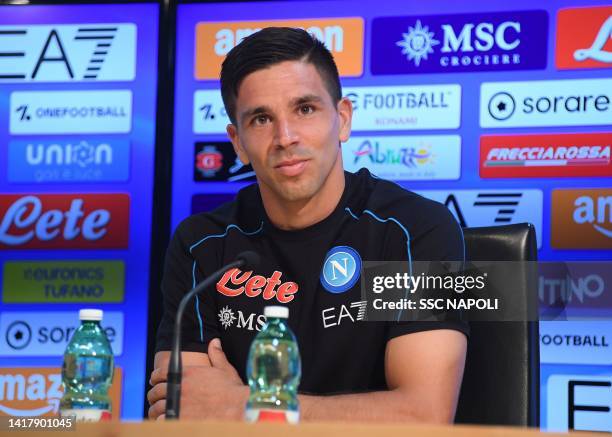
(334, 316)
(253, 321)
(256, 285)
(341, 269)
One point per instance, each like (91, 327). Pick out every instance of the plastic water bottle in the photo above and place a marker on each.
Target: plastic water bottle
(274, 369)
(87, 371)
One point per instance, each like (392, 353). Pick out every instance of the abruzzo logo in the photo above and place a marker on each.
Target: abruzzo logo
(68, 160)
(68, 53)
(341, 269)
(458, 43)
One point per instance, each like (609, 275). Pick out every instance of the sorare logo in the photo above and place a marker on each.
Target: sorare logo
(217, 161)
(584, 38)
(515, 40)
(64, 221)
(545, 155)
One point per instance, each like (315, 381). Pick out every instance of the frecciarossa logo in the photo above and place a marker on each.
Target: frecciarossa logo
(64, 221)
(235, 282)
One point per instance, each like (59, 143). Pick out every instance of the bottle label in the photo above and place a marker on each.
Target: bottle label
(87, 414)
(263, 415)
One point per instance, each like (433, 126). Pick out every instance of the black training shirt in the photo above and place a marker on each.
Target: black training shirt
(375, 220)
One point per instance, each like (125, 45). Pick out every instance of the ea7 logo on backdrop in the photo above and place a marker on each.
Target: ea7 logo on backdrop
(474, 208)
(217, 161)
(253, 321)
(235, 282)
(64, 221)
(341, 269)
(584, 38)
(582, 219)
(342, 36)
(457, 43)
(68, 53)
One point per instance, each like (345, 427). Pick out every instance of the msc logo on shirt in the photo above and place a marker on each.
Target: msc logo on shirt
(582, 219)
(227, 318)
(341, 269)
(584, 38)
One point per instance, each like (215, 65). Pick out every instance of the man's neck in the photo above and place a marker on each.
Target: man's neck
(300, 214)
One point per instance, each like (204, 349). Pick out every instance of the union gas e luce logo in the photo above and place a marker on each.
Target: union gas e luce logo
(513, 40)
(64, 221)
(342, 36)
(68, 52)
(584, 38)
(579, 102)
(545, 155)
(582, 218)
(36, 391)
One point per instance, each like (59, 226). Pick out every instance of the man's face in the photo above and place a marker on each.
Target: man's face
(289, 129)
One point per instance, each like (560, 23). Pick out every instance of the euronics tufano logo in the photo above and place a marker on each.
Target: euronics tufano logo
(514, 40)
(36, 391)
(66, 160)
(574, 102)
(545, 155)
(342, 36)
(583, 38)
(68, 52)
(582, 218)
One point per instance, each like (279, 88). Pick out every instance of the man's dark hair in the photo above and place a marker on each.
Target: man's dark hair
(270, 46)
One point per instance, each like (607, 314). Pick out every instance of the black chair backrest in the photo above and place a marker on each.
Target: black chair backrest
(501, 379)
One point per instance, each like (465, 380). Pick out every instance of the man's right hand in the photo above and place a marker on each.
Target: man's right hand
(158, 406)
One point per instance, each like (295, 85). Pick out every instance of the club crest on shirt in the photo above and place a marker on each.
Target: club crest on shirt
(341, 269)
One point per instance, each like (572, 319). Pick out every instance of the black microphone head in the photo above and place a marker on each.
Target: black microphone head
(250, 259)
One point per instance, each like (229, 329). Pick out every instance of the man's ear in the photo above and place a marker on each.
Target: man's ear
(345, 111)
(232, 133)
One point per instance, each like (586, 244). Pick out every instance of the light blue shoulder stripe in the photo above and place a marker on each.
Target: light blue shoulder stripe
(193, 269)
(403, 228)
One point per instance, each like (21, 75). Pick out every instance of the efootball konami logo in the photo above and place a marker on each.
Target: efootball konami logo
(417, 43)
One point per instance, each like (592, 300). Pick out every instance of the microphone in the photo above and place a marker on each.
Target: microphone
(247, 259)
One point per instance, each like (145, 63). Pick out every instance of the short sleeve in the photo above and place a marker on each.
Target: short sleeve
(438, 237)
(181, 274)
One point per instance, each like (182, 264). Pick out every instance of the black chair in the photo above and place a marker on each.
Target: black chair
(502, 374)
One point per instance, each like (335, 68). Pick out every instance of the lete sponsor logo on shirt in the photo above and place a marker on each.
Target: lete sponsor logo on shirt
(64, 221)
(545, 155)
(514, 40)
(235, 282)
(584, 38)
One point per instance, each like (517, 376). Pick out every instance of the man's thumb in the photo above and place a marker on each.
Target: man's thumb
(216, 355)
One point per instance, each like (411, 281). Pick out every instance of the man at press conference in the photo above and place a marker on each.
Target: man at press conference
(281, 90)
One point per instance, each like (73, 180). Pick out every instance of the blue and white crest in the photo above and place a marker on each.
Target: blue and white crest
(341, 269)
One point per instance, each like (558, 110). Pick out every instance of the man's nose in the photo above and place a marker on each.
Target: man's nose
(285, 132)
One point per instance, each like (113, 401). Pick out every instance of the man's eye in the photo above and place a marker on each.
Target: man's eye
(306, 109)
(260, 119)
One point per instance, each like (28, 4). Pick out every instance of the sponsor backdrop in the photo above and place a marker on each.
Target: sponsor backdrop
(501, 111)
(77, 124)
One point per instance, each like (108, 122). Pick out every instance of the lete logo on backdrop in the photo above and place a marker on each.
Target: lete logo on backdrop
(342, 36)
(64, 221)
(582, 219)
(584, 38)
(515, 40)
(36, 391)
(560, 155)
(235, 282)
